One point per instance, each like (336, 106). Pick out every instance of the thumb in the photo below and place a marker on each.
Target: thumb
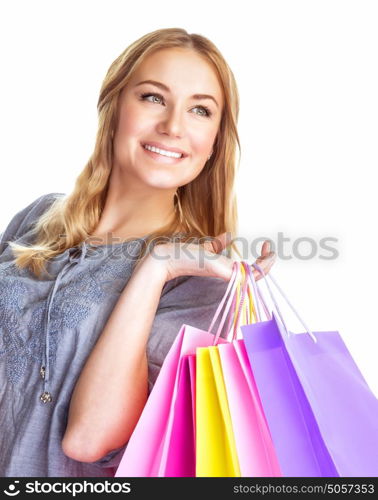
(221, 241)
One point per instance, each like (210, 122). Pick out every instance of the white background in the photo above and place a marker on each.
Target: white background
(307, 77)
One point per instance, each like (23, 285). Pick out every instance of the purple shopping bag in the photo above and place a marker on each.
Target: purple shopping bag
(345, 408)
(322, 415)
(299, 445)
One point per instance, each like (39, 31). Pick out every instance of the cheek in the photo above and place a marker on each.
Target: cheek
(132, 122)
(202, 141)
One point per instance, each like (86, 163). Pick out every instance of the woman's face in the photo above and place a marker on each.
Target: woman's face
(168, 115)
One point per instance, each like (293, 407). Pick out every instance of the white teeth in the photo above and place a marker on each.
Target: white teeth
(162, 151)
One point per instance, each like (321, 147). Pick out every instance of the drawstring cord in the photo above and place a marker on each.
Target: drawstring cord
(76, 255)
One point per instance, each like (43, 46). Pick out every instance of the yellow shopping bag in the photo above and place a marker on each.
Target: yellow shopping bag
(216, 453)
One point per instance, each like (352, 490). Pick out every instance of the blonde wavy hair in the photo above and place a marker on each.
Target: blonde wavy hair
(206, 206)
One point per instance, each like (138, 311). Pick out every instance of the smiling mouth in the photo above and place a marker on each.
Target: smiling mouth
(158, 153)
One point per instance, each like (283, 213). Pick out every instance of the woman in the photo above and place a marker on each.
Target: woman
(86, 319)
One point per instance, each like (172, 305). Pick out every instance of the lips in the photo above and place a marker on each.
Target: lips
(160, 158)
(166, 148)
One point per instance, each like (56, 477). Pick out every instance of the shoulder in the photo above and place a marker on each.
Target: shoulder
(194, 290)
(28, 215)
(23, 220)
(186, 300)
(40, 204)
(192, 300)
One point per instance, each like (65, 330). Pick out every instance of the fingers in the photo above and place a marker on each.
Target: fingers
(219, 242)
(266, 260)
(265, 263)
(216, 245)
(265, 249)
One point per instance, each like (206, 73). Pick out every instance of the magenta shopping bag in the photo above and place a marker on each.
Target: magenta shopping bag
(151, 450)
(321, 413)
(180, 460)
(147, 451)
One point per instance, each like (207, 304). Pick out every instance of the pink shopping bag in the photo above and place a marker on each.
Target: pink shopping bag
(256, 453)
(149, 449)
(180, 460)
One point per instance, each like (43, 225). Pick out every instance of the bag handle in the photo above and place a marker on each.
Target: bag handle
(247, 307)
(236, 301)
(286, 299)
(241, 301)
(236, 304)
(247, 297)
(229, 291)
(233, 306)
(230, 310)
(243, 305)
(256, 293)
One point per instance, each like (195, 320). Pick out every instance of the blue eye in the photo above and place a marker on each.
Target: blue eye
(159, 96)
(151, 95)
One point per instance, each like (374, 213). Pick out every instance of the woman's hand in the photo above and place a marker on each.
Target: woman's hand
(204, 259)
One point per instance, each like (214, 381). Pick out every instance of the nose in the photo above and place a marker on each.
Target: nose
(172, 122)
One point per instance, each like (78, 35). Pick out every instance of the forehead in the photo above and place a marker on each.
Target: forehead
(180, 69)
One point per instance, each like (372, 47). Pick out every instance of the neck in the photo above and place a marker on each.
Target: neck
(133, 211)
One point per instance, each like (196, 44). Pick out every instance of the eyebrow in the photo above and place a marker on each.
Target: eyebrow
(164, 87)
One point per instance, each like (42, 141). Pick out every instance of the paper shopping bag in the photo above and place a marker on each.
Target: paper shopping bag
(151, 451)
(312, 382)
(215, 444)
(297, 440)
(147, 450)
(180, 461)
(345, 408)
(256, 454)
